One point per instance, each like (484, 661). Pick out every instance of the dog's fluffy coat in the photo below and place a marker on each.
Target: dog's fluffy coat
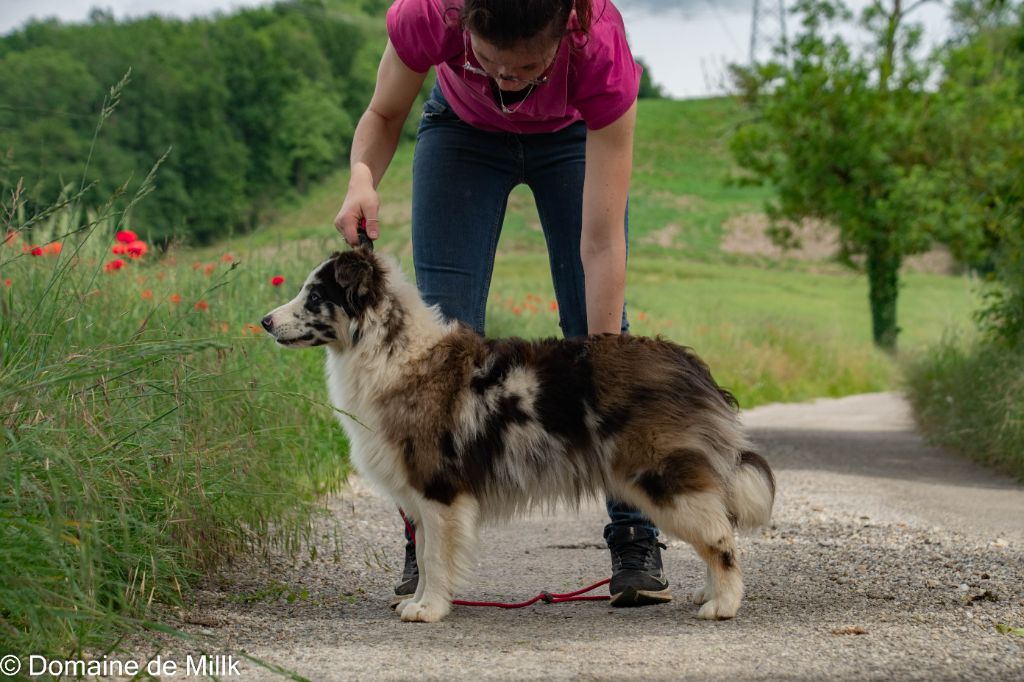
(459, 429)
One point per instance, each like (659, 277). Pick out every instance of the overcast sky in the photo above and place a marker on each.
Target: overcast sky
(686, 43)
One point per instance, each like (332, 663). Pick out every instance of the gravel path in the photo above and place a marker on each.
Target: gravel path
(887, 559)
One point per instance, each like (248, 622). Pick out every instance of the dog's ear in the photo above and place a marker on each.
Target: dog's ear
(360, 278)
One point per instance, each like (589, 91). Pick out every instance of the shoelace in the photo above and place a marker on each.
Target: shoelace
(636, 554)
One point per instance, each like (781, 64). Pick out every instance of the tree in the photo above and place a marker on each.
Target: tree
(840, 137)
(314, 130)
(648, 88)
(47, 98)
(979, 169)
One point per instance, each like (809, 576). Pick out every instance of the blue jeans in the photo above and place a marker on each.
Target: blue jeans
(462, 177)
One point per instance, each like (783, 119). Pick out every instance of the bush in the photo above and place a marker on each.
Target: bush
(970, 397)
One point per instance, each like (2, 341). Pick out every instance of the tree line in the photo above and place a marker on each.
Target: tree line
(252, 106)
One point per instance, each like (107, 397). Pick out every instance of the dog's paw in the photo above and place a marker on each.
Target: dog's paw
(701, 595)
(403, 604)
(719, 609)
(425, 612)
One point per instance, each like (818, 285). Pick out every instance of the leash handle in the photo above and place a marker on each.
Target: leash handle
(364, 239)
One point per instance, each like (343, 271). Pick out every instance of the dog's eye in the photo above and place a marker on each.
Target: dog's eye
(313, 298)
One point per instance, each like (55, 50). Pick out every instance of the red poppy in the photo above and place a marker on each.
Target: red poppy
(137, 249)
(126, 236)
(8, 282)
(227, 258)
(197, 265)
(119, 249)
(147, 294)
(175, 298)
(208, 269)
(54, 248)
(37, 250)
(554, 306)
(113, 265)
(277, 280)
(202, 305)
(11, 237)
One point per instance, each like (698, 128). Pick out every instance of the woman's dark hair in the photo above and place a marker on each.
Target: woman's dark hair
(509, 23)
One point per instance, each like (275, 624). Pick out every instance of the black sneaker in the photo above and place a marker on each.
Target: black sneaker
(637, 578)
(410, 576)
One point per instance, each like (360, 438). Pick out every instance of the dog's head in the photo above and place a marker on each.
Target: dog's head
(333, 301)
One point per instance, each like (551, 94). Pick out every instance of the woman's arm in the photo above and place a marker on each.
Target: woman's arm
(609, 167)
(375, 140)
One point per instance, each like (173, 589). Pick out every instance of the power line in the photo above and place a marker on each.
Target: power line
(767, 29)
(723, 24)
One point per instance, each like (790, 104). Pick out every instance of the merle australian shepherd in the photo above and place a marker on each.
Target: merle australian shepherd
(459, 429)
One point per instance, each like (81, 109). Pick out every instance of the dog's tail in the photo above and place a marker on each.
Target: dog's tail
(753, 492)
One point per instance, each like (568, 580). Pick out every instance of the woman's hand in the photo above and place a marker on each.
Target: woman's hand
(375, 141)
(361, 203)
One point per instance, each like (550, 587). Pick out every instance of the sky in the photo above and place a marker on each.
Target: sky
(689, 43)
(686, 43)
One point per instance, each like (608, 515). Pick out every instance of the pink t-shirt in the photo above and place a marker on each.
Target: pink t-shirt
(594, 78)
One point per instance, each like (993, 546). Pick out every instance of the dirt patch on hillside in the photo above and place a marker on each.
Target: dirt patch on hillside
(747, 234)
(665, 237)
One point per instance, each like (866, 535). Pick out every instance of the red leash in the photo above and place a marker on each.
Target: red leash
(546, 597)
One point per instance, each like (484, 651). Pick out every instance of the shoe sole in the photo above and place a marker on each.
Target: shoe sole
(632, 597)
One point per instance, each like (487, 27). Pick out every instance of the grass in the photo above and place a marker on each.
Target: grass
(144, 437)
(968, 396)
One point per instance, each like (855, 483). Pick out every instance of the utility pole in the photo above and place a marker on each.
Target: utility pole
(767, 30)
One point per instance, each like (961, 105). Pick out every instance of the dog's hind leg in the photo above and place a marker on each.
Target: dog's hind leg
(445, 539)
(726, 589)
(702, 520)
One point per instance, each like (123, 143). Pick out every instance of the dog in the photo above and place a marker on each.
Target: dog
(460, 430)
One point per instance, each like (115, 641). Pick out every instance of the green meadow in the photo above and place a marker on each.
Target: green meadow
(151, 430)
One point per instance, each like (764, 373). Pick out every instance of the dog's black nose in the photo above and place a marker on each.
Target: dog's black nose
(268, 323)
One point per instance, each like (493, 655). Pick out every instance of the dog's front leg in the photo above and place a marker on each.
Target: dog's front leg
(445, 539)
